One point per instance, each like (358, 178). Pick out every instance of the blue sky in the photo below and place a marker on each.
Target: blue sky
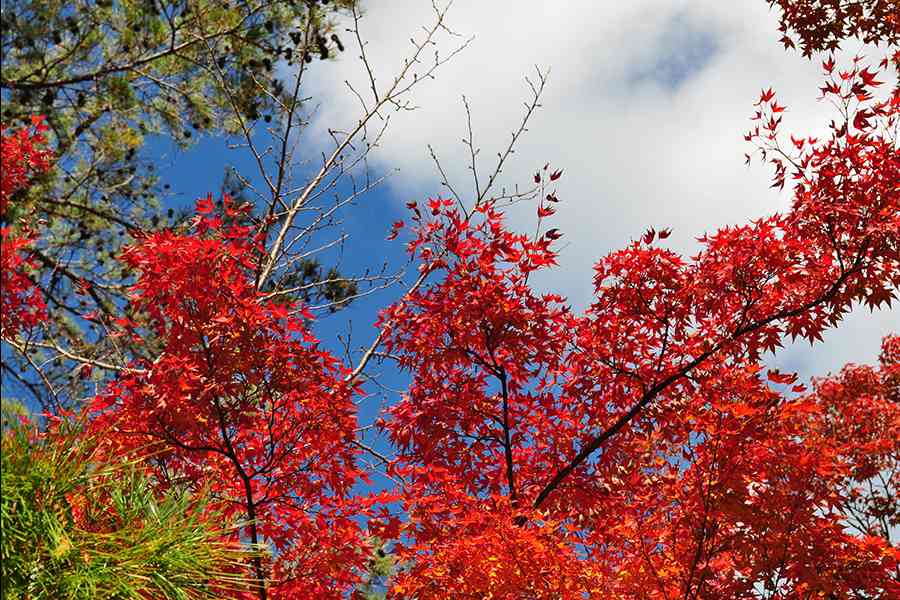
(681, 49)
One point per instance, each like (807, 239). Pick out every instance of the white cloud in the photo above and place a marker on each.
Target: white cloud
(645, 109)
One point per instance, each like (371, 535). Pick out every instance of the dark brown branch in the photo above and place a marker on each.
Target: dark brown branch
(507, 443)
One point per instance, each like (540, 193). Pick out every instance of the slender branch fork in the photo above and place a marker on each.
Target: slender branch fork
(407, 78)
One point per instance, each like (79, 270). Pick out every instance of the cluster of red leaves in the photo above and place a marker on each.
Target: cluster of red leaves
(241, 400)
(23, 158)
(742, 505)
(858, 415)
(481, 323)
(823, 24)
(21, 303)
(641, 441)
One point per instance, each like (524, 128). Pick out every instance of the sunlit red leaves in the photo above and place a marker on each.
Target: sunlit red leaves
(23, 158)
(23, 305)
(481, 346)
(859, 417)
(241, 400)
(772, 483)
(481, 551)
(657, 381)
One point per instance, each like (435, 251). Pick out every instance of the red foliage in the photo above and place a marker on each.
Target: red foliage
(858, 416)
(638, 447)
(823, 24)
(22, 157)
(21, 303)
(241, 400)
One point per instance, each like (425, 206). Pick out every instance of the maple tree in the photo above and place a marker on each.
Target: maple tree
(243, 401)
(855, 414)
(637, 450)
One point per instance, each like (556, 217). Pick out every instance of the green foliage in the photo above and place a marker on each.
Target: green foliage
(75, 526)
(153, 66)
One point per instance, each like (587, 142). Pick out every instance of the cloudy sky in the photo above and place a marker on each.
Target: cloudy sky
(645, 109)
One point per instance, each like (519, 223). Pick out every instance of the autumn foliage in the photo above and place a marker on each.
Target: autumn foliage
(641, 444)
(24, 158)
(638, 450)
(22, 305)
(856, 416)
(241, 399)
(821, 25)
